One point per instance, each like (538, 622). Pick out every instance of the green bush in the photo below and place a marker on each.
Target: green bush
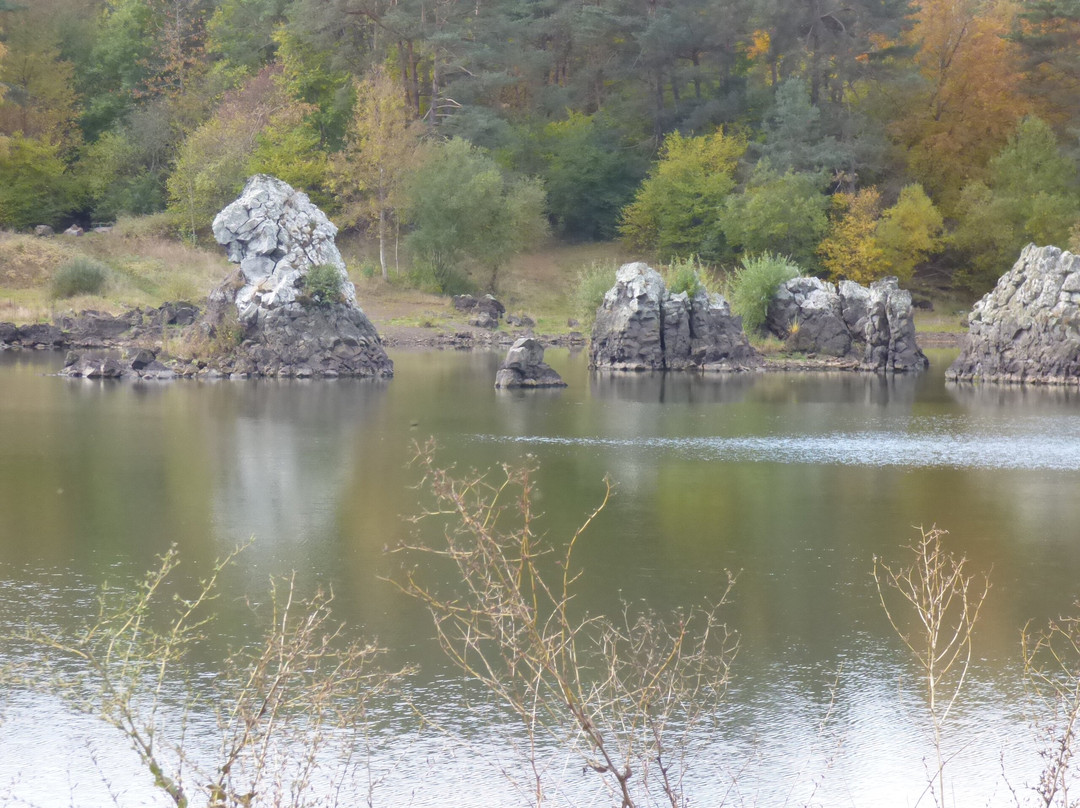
(593, 282)
(80, 276)
(322, 285)
(754, 283)
(685, 275)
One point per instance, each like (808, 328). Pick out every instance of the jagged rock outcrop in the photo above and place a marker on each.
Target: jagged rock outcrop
(141, 364)
(524, 366)
(96, 329)
(874, 325)
(276, 324)
(1027, 328)
(640, 326)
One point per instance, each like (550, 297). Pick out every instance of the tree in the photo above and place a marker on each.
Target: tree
(461, 207)
(1047, 32)
(850, 249)
(677, 209)
(35, 188)
(909, 232)
(777, 213)
(1031, 195)
(589, 175)
(970, 98)
(793, 133)
(241, 32)
(382, 145)
(256, 127)
(39, 99)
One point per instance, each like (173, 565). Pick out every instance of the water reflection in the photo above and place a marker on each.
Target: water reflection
(796, 480)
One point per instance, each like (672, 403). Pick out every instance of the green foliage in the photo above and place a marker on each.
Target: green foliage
(782, 213)
(1031, 196)
(592, 283)
(677, 209)
(754, 283)
(850, 250)
(80, 276)
(684, 275)
(793, 133)
(588, 174)
(909, 232)
(322, 285)
(35, 188)
(256, 127)
(462, 207)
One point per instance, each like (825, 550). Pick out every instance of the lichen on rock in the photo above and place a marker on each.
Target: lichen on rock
(1027, 328)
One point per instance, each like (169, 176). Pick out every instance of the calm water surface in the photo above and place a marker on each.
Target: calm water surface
(795, 480)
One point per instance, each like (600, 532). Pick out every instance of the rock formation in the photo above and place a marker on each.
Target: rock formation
(1027, 329)
(641, 326)
(486, 311)
(874, 325)
(525, 367)
(142, 364)
(281, 323)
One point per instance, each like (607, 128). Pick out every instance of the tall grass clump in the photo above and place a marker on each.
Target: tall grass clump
(593, 281)
(754, 283)
(685, 275)
(79, 276)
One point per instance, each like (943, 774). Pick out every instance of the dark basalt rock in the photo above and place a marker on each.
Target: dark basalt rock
(97, 365)
(640, 326)
(525, 367)
(1026, 329)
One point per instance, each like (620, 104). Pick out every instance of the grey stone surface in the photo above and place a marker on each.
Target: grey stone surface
(524, 366)
(141, 364)
(872, 324)
(890, 330)
(640, 326)
(1027, 328)
(277, 235)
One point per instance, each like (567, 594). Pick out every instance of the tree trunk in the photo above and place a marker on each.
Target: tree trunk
(382, 245)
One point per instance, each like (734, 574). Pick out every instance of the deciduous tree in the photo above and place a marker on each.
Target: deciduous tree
(778, 213)
(850, 249)
(462, 207)
(677, 209)
(971, 98)
(382, 147)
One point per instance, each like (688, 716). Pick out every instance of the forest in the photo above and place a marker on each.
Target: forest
(858, 138)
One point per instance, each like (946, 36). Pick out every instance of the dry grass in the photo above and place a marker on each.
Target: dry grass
(145, 270)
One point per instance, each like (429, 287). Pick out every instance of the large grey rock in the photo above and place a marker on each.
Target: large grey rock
(640, 326)
(808, 314)
(277, 236)
(890, 330)
(872, 324)
(525, 367)
(1026, 329)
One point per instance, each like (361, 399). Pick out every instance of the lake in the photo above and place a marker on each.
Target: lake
(794, 480)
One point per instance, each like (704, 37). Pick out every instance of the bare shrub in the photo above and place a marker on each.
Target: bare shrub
(627, 691)
(290, 711)
(1052, 668)
(933, 606)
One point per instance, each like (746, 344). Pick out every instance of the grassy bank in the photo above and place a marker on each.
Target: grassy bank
(143, 267)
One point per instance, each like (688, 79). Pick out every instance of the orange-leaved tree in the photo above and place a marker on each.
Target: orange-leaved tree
(971, 98)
